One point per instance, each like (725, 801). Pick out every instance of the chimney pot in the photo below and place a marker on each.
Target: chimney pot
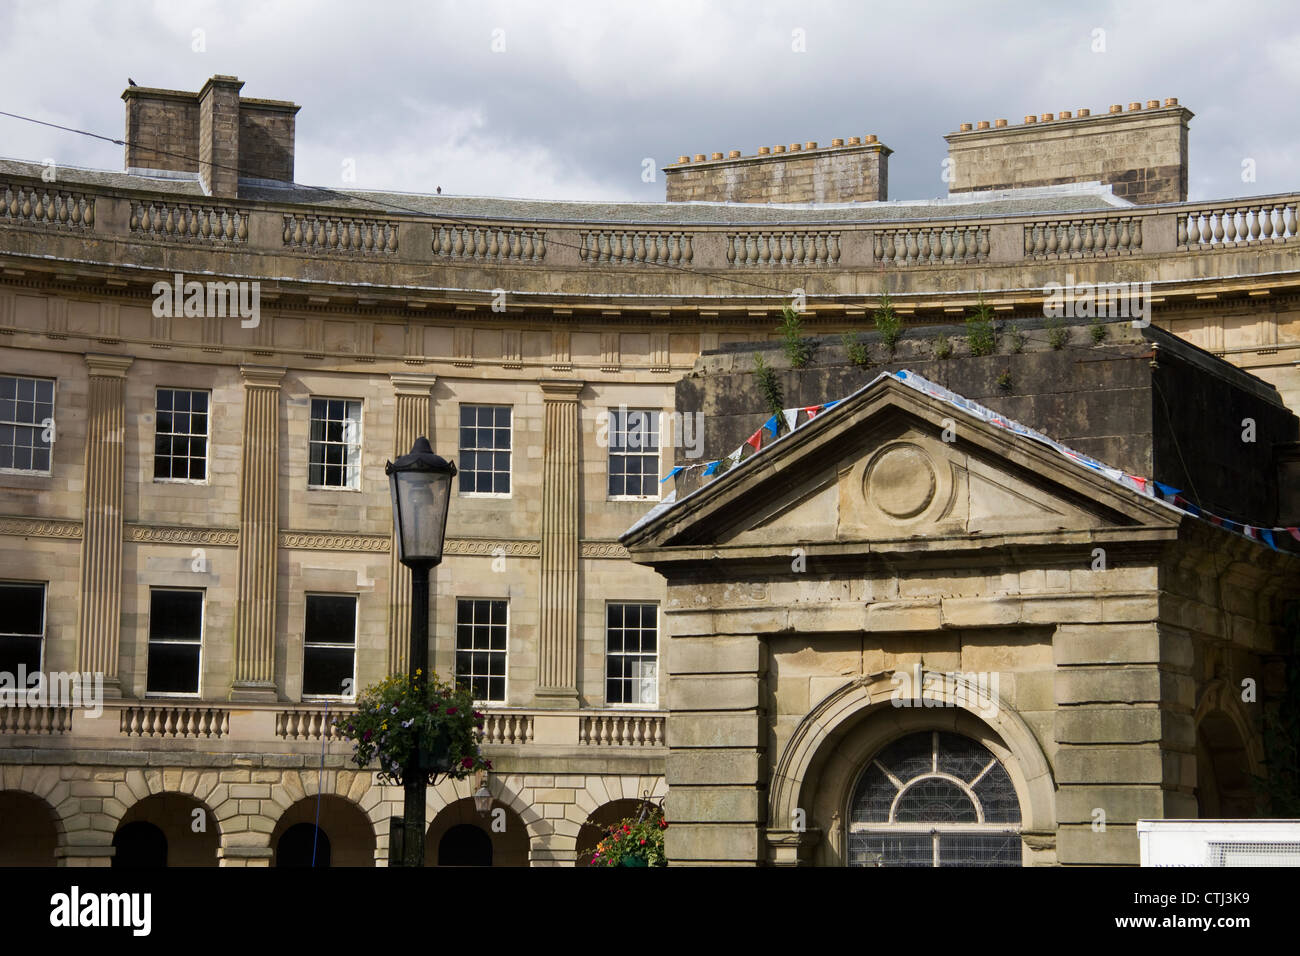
(1031, 119)
(1134, 106)
(964, 128)
(699, 157)
(810, 145)
(764, 150)
(1171, 101)
(778, 148)
(794, 147)
(1153, 104)
(717, 155)
(982, 124)
(855, 140)
(869, 139)
(999, 123)
(837, 142)
(1047, 117)
(1064, 114)
(1085, 112)
(683, 159)
(1116, 108)
(734, 154)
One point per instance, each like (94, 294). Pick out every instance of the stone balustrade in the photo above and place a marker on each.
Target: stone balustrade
(312, 232)
(489, 243)
(385, 250)
(312, 723)
(37, 206)
(189, 222)
(1237, 225)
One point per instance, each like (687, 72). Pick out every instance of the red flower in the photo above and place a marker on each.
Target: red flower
(643, 842)
(488, 764)
(477, 715)
(467, 762)
(450, 711)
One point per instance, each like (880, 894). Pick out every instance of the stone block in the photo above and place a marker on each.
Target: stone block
(713, 730)
(713, 693)
(708, 843)
(723, 655)
(712, 767)
(713, 805)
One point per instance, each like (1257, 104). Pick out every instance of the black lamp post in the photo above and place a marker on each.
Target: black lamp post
(421, 486)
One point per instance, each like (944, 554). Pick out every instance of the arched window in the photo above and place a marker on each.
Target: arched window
(934, 799)
(139, 845)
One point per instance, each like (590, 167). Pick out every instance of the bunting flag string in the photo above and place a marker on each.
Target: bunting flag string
(1146, 486)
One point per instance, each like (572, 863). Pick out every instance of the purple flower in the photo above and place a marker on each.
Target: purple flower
(367, 736)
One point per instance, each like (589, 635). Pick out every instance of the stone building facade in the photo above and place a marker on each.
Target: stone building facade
(383, 317)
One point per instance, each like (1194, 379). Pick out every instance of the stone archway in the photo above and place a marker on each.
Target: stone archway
(187, 829)
(1227, 757)
(598, 823)
(350, 833)
(449, 838)
(30, 830)
(826, 753)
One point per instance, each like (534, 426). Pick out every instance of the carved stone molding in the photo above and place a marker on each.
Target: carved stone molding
(488, 546)
(40, 527)
(603, 549)
(330, 541)
(173, 534)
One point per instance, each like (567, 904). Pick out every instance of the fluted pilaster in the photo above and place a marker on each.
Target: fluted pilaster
(410, 421)
(101, 542)
(557, 677)
(259, 519)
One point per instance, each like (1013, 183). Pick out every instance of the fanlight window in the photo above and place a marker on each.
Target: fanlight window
(934, 799)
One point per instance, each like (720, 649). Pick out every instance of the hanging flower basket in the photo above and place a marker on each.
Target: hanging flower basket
(434, 729)
(636, 841)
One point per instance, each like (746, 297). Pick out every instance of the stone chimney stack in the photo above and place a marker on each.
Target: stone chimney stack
(214, 134)
(1141, 153)
(219, 136)
(856, 171)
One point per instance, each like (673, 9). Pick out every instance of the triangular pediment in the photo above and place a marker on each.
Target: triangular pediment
(891, 464)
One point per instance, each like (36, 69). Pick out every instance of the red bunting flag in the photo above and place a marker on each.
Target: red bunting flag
(755, 439)
(1294, 532)
(812, 410)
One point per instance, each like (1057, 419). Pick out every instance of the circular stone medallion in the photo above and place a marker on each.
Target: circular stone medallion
(901, 481)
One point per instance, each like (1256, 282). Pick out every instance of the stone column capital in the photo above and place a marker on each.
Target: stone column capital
(108, 366)
(417, 386)
(261, 376)
(561, 389)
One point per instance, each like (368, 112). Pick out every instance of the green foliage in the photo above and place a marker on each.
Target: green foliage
(942, 347)
(1281, 728)
(1004, 380)
(393, 721)
(856, 348)
(888, 324)
(1058, 333)
(1097, 330)
(769, 385)
(796, 349)
(638, 841)
(1017, 340)
(980, 331)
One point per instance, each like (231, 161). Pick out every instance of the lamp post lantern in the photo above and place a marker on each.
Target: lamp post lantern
(420, 483)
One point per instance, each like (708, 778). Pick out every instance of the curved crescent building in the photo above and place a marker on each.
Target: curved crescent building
(986, 594)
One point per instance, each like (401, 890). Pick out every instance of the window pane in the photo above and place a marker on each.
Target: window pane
(175, 615)
(18, 652)
(23, 609)
(325, 670)
(173, 668)
(331, 619)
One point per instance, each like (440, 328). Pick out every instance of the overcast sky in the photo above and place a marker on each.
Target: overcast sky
(578, 94)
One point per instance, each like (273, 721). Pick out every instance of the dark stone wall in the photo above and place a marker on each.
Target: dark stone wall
(1099, 399)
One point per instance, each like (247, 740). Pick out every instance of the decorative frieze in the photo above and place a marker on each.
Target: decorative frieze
(177, 534)
(40, 527)
(331, 541)
(492, 547)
